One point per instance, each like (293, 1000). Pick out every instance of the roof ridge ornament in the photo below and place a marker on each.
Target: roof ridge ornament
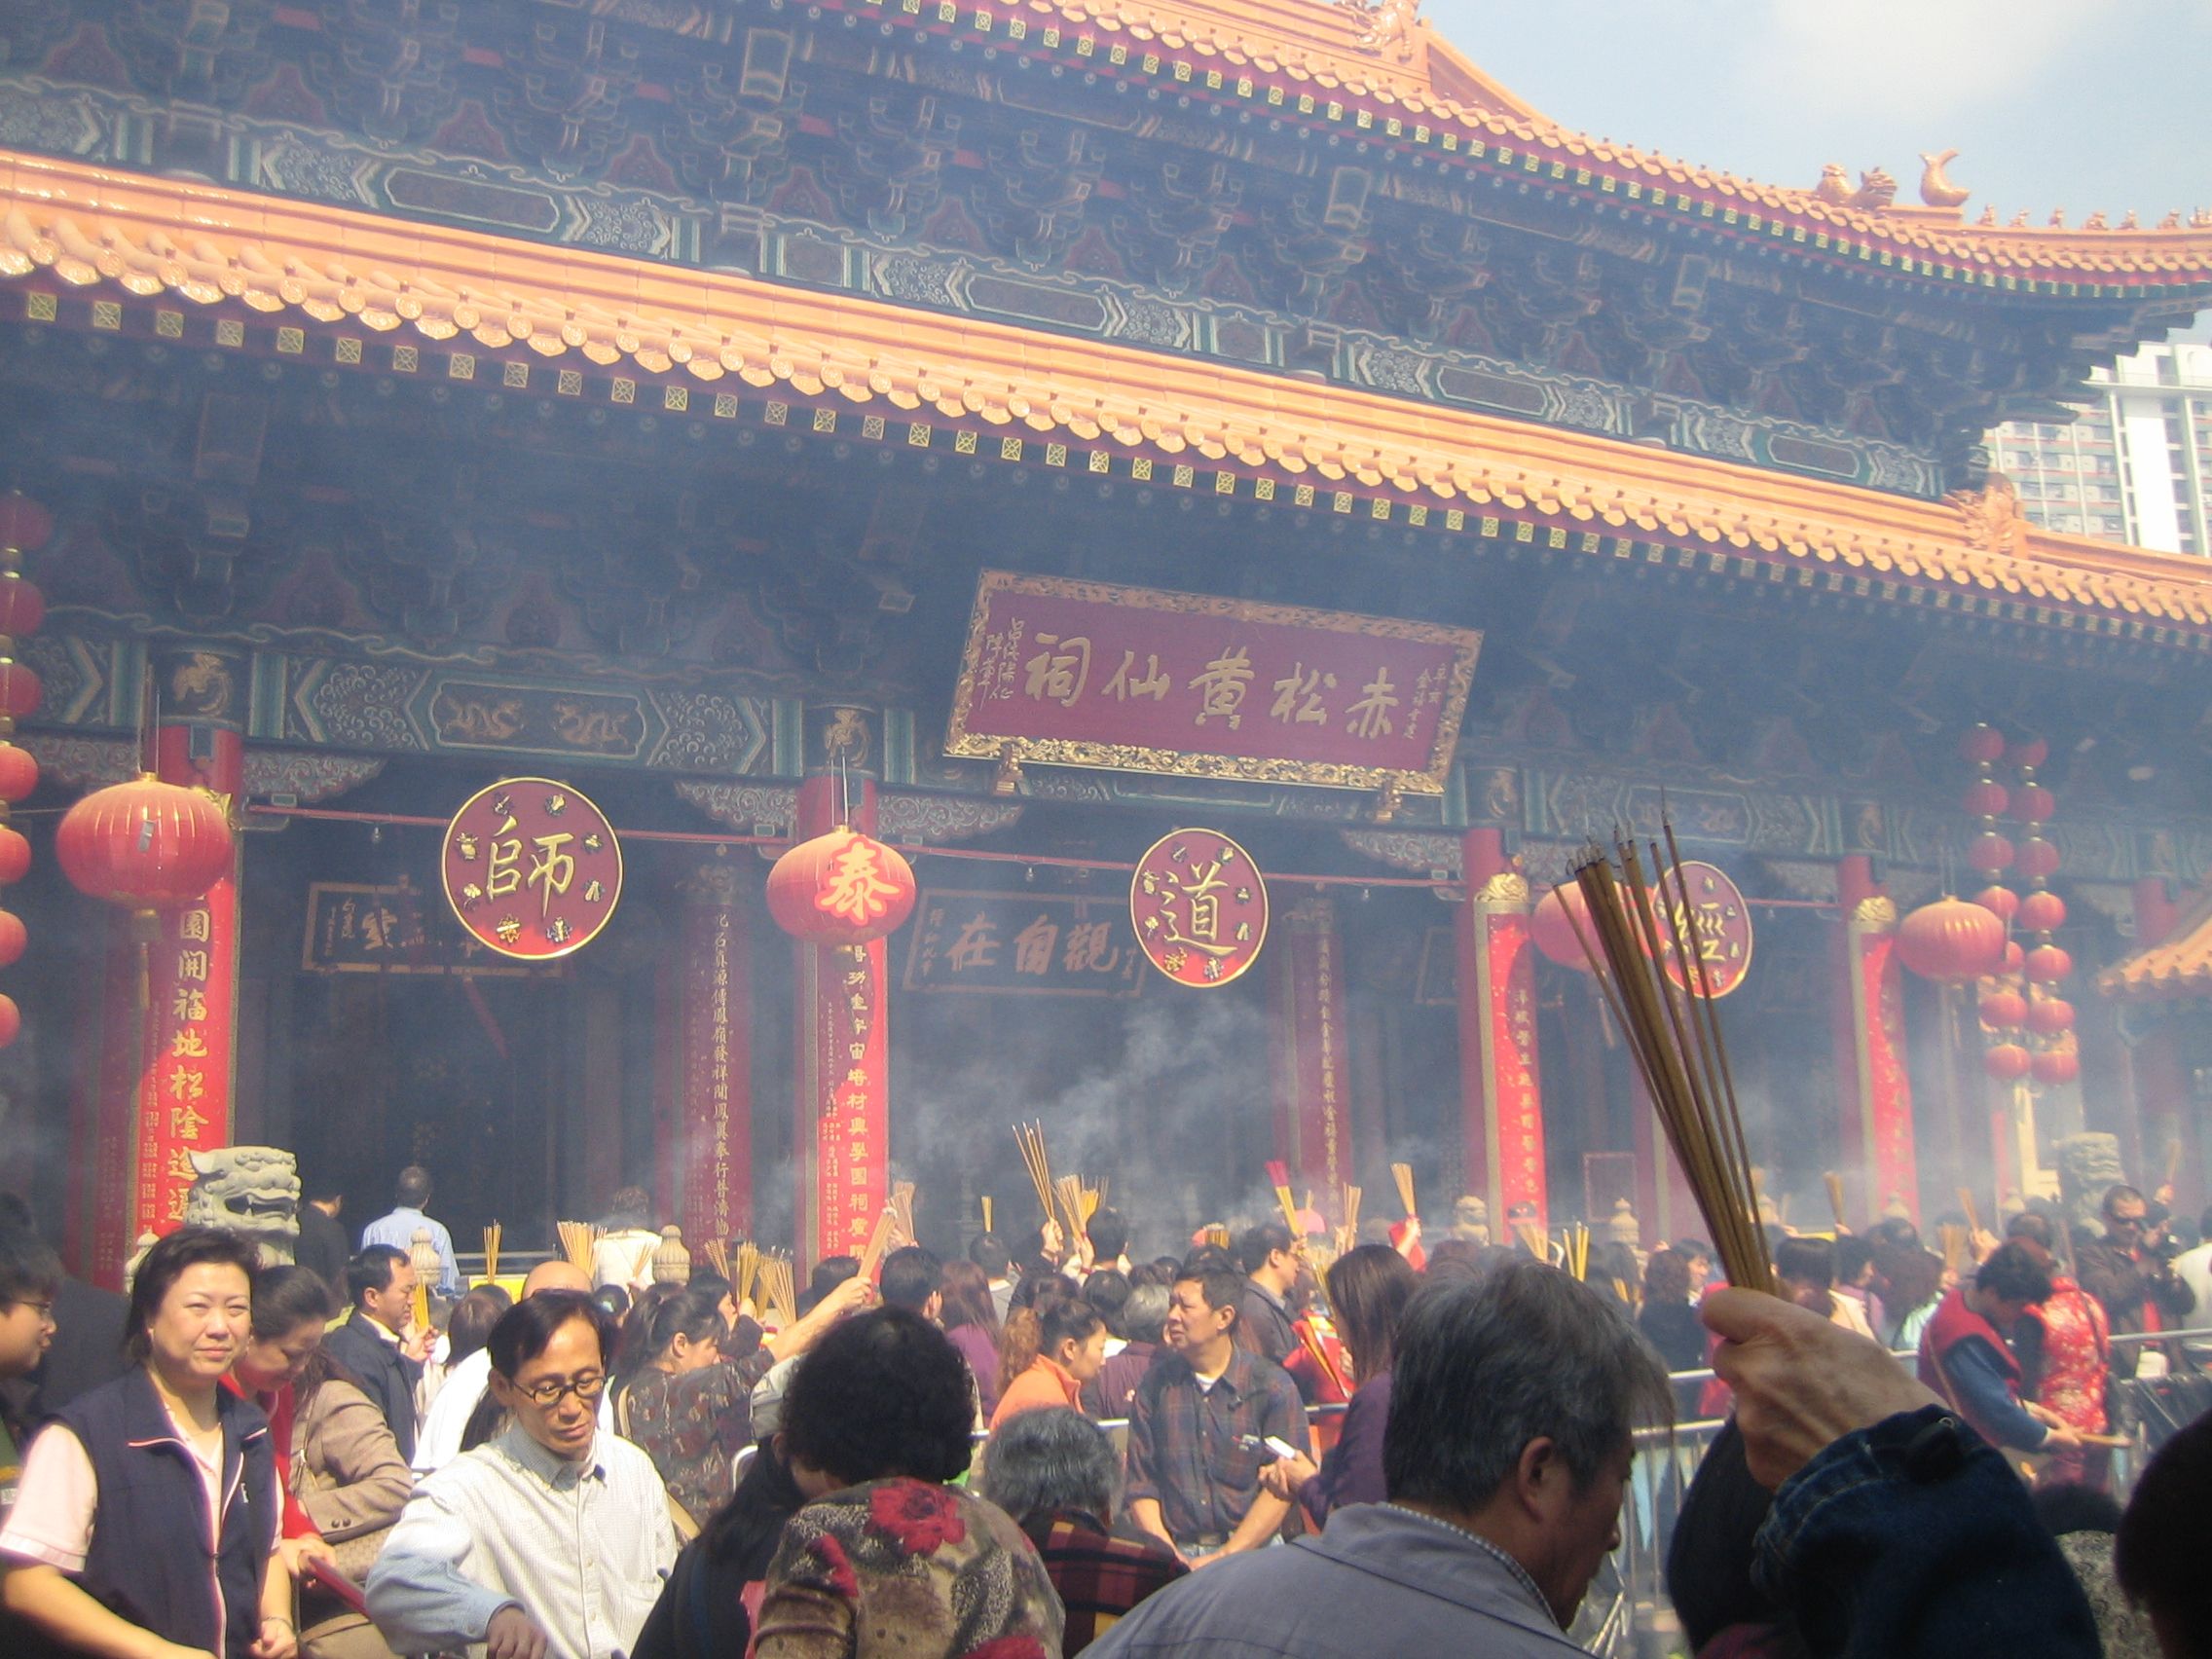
(1390, 26)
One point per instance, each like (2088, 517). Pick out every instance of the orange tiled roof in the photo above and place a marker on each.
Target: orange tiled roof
(2181, 967)
(362, 275)
(1351, 66)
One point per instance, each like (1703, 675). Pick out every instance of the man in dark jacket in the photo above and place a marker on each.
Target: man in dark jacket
(323, 1238)
(2139, 1289)
(371, 1343)
(1266, 1326)
(86, 1350)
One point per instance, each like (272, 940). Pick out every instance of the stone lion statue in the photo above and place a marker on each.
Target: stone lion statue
(253, 1190)
(2088, 1164)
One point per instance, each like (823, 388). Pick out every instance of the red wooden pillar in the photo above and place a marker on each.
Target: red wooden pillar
(712, 1162)
(841, 1135)
(1877, 1155)
(2161, 1084)
(1501, 1097)
(1313, 1131)
(169, 1068)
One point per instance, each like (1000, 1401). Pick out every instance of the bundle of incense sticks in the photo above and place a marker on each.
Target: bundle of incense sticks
(1216, 1234)
(748, 1271)
(902, 1209)
(877, 1242)
(987, 1227)
(1347, 1236)
(1958, 1254)
(1534, 1240)
(1574, 1249)
(1675, 1035)
(2173, 1163)
(1972, 1215)
(1077, 1201)
(1278, 1177)
(1403, 1174)
(779, 1295)
(492, 1251)
(1320, 1357)
(576, 1239)
(1835, 1184)
(717, 1252)
(1031, 1137)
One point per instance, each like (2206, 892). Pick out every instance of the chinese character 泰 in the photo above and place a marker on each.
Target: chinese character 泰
(1060, 676)
(1033, 946)
(1151, 683)
(1298, 696)
(552, 870)
(857, 890)
(1220, 686)
(1370, 717)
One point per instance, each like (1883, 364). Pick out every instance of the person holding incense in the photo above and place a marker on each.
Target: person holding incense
(1965, 1357)
(2064, 1346)
(1369, 1288)
(1267, 1257)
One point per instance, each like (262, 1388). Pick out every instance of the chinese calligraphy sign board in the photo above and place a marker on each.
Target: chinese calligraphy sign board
(1722, 932)
(1081, 673)
(531, 869)
(360, 928)
(1199, 908)
(1023, 944)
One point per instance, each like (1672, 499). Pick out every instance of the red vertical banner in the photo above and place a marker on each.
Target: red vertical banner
(1313, 1078)
(1877, 1137)
(1500, 1088)
(842, 1140)
(715, 1114)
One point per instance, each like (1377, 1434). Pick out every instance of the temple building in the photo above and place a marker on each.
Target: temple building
(1024, 430)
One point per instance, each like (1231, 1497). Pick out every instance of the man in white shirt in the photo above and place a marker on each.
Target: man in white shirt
(459, 1395)
(551, 1541)
(398, 1229)
(2194, 1268)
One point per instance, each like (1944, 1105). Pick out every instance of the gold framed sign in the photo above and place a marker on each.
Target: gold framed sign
(1138, 679)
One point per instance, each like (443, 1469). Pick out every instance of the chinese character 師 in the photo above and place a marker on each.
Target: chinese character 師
(552, 870)
(1221, 687)
(504, 871)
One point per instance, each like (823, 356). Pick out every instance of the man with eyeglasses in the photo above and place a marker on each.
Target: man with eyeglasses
(30, 1277)
(2136, 1282)
(550, 1541)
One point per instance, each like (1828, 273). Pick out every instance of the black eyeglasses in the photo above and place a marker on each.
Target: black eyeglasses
(548, 1394)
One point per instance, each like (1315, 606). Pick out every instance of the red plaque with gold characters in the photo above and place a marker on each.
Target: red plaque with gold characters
(1199, 908)
(1723, 931)
(531, 869)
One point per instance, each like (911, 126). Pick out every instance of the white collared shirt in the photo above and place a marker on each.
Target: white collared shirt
(583, 1548)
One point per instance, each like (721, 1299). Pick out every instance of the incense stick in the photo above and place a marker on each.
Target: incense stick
(492, 1253)
(717, 1252)
(987, 1227)
(1974, 1216)
(1278, 1176)
(1320, 1357)
(1835, 1185)
(902, 1209)
(1403, 1175)
(748, 1270)
(576, 1241)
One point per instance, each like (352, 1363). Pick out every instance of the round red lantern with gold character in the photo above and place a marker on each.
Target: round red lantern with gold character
(2057, 1066)
(2007, 1063)
(1951, 941)
(1552, 924)
(531, 869)
(843, 888)
(145, 843)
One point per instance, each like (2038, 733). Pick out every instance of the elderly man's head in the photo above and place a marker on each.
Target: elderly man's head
(1045, 1461)
(1563, 1379)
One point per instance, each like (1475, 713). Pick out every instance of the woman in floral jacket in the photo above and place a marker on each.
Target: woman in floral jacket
(2064, 1345)
(886, 1560)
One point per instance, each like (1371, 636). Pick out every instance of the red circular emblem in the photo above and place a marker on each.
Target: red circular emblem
(1199, 908)
(531, 869)
(1722, 936)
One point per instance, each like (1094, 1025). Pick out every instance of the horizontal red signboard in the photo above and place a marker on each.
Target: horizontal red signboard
(1081, 673)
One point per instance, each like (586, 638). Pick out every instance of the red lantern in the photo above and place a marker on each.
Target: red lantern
(843, 888)
(1989, 853)
(24, 524)
(2057, 1065)
(1552, 925)
(2015, 957)
(19, 772)
(2050, 1016)
(2038, 859)
(22, 607)
(20, 689)
(2002, 1011)
(1986, 799)
(1999, 901)
(1985, 746)
(1951, 941)
(2030, 754)
(11, 1021)
(2047, 964)
(145, 843)
(13, 938)
(2034, 804)
(2043, 912)
(2007, 1063)
(14, 855)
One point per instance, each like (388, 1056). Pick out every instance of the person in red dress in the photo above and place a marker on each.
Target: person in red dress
(2065, 1352)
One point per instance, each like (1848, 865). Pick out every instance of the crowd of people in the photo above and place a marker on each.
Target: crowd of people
(1257, 1448)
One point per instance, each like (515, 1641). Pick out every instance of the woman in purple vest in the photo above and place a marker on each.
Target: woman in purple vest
(147, 1518)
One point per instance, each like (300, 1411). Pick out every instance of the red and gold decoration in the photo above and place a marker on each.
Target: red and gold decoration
(1080, 673)
(1722, 929)
(25, 527)
(1878, 1117)
(531, 869)
(1199, 908)
(145, 844)
(841, 888)
(1501, 1104)
(715, 1115)
(1951, 941)
(1312, 1081)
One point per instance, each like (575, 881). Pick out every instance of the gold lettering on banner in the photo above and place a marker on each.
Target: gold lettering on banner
(1221, 687)
(1298, 696)
(1151, 683)
(1033, 946)
(185, 1003)
(193, 926)
(1370, 717)
(1059, 675)
(504, 878)
(978, 946)
(552, 870)
(1090, 947)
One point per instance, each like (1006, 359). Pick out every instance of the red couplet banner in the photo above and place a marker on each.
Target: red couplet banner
(1081, 673)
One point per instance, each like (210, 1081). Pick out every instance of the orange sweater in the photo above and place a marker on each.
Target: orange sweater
(1046, 1383)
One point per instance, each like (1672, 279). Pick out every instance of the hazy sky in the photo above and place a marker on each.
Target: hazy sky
(2081, 103)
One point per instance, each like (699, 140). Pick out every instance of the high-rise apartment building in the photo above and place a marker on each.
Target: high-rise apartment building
(2136, 466)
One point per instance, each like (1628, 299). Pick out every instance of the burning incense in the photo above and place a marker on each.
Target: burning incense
(717, 1252)
(1675, 1036)
(987, 1227)
(1403, 1175)
(903, 1211)
(1278, 1177)
(1031, 1137)
(576, 1241)
(492, 1252)
(878, 1241)
(1835, 1184)
(1534, 1240)
(748, 1271)
(1347, 1236)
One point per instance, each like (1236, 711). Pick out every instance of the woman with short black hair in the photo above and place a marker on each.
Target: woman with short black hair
(885, 1559)
(97, 1577)
(686, 1405)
